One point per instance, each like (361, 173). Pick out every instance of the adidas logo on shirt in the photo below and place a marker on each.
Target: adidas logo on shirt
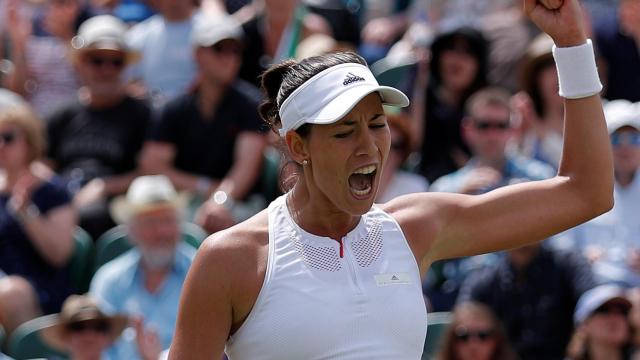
(351, 78)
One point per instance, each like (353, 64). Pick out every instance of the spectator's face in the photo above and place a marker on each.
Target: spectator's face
(458, 66)
(14, 150)
(487, 131)
(626, 150)
(474, 338)
(221, 62)
(101, 70)
(608, 325)
(156, 233)
(629, 12)
(88, 339)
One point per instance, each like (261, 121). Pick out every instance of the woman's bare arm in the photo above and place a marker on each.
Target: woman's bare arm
(448, 225)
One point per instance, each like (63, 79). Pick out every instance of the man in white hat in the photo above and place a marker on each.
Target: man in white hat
(611, 240)
(211, 141)
(145, 283)
(93, 141)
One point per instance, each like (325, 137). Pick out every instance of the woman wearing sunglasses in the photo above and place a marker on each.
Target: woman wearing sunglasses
(475, 334)
(81, 329)
(325, 274)
(36, 224)
(602, 325)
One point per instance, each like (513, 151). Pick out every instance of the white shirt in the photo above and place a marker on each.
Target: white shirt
(315, 304)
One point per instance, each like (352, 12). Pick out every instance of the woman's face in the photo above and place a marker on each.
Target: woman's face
(346, 157)
(88, 339)
(474, 338)
(608, 325)
(458, 67)
(14, 150)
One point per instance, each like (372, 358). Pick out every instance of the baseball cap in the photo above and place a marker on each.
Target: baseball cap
(620, 113)
(103, 32)
(596, 297)
(331, 94)
(208, 30)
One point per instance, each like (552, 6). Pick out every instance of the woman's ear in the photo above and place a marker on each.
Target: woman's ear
(297, 146)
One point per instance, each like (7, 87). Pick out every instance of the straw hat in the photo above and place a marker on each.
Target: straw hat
(78, 308)
(147, 193)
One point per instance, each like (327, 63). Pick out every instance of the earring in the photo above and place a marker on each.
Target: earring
(305, 162)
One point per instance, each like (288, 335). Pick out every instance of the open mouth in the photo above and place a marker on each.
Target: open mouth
(361, 181)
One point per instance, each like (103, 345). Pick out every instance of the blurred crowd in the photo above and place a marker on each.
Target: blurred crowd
(138, 120)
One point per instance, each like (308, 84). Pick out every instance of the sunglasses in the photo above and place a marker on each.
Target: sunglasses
(612, 309)
(627, 137)
(95, 325)
(465, 335)
(7, 138)
(100, 61)
(227, 48)
(487, 125)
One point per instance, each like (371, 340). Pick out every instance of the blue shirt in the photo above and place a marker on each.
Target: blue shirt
(119, 287)
(517, 169)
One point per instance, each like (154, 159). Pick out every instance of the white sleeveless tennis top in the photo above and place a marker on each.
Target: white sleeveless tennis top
(323, 300)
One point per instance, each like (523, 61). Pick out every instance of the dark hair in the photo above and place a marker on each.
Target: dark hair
(502, 351)
(280, 80)
(477, 46)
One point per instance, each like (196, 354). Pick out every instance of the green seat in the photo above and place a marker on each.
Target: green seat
(396, 72)
(114, 242)
(80, 264)
(3, 334)
(437, 323)
(25, 341)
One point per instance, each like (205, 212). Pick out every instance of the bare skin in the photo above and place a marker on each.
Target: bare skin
(228, 272)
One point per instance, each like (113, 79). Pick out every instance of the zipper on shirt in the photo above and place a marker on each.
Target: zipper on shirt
(341, 248)
(352, 270)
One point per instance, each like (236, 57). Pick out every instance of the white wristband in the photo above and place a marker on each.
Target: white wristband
(577, 72)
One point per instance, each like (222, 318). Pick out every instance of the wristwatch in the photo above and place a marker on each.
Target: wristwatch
(220, 197)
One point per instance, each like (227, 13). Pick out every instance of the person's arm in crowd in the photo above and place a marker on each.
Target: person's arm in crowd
(441, 226)
(101, 188)
(157, 157)
(52, 233)
(19, 30)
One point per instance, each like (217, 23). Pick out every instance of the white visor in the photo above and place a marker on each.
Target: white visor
(331, 94)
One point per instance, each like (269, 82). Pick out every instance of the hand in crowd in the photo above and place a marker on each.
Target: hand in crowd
(480, 179)
(147, 341)
(21, 192)
(381, 31)
(213, 217)
(61, 17)
(524, 111)
(90, 193)
(18, 27)
(633, 259)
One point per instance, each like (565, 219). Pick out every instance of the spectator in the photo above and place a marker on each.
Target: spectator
(145, 283)
(487, 129)
(610, 241)
(475, 334)
(42, 71)
(533, 291)
(617, 36)
(395, 181)
(457, 69)
(82, 330)
(602, 328)
(36, 224)
(539, 108)
(94, 140)
(273, 34)
(167, 68)
(209, 141)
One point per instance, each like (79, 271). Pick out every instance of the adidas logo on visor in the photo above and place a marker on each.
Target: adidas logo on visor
(351, 78)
